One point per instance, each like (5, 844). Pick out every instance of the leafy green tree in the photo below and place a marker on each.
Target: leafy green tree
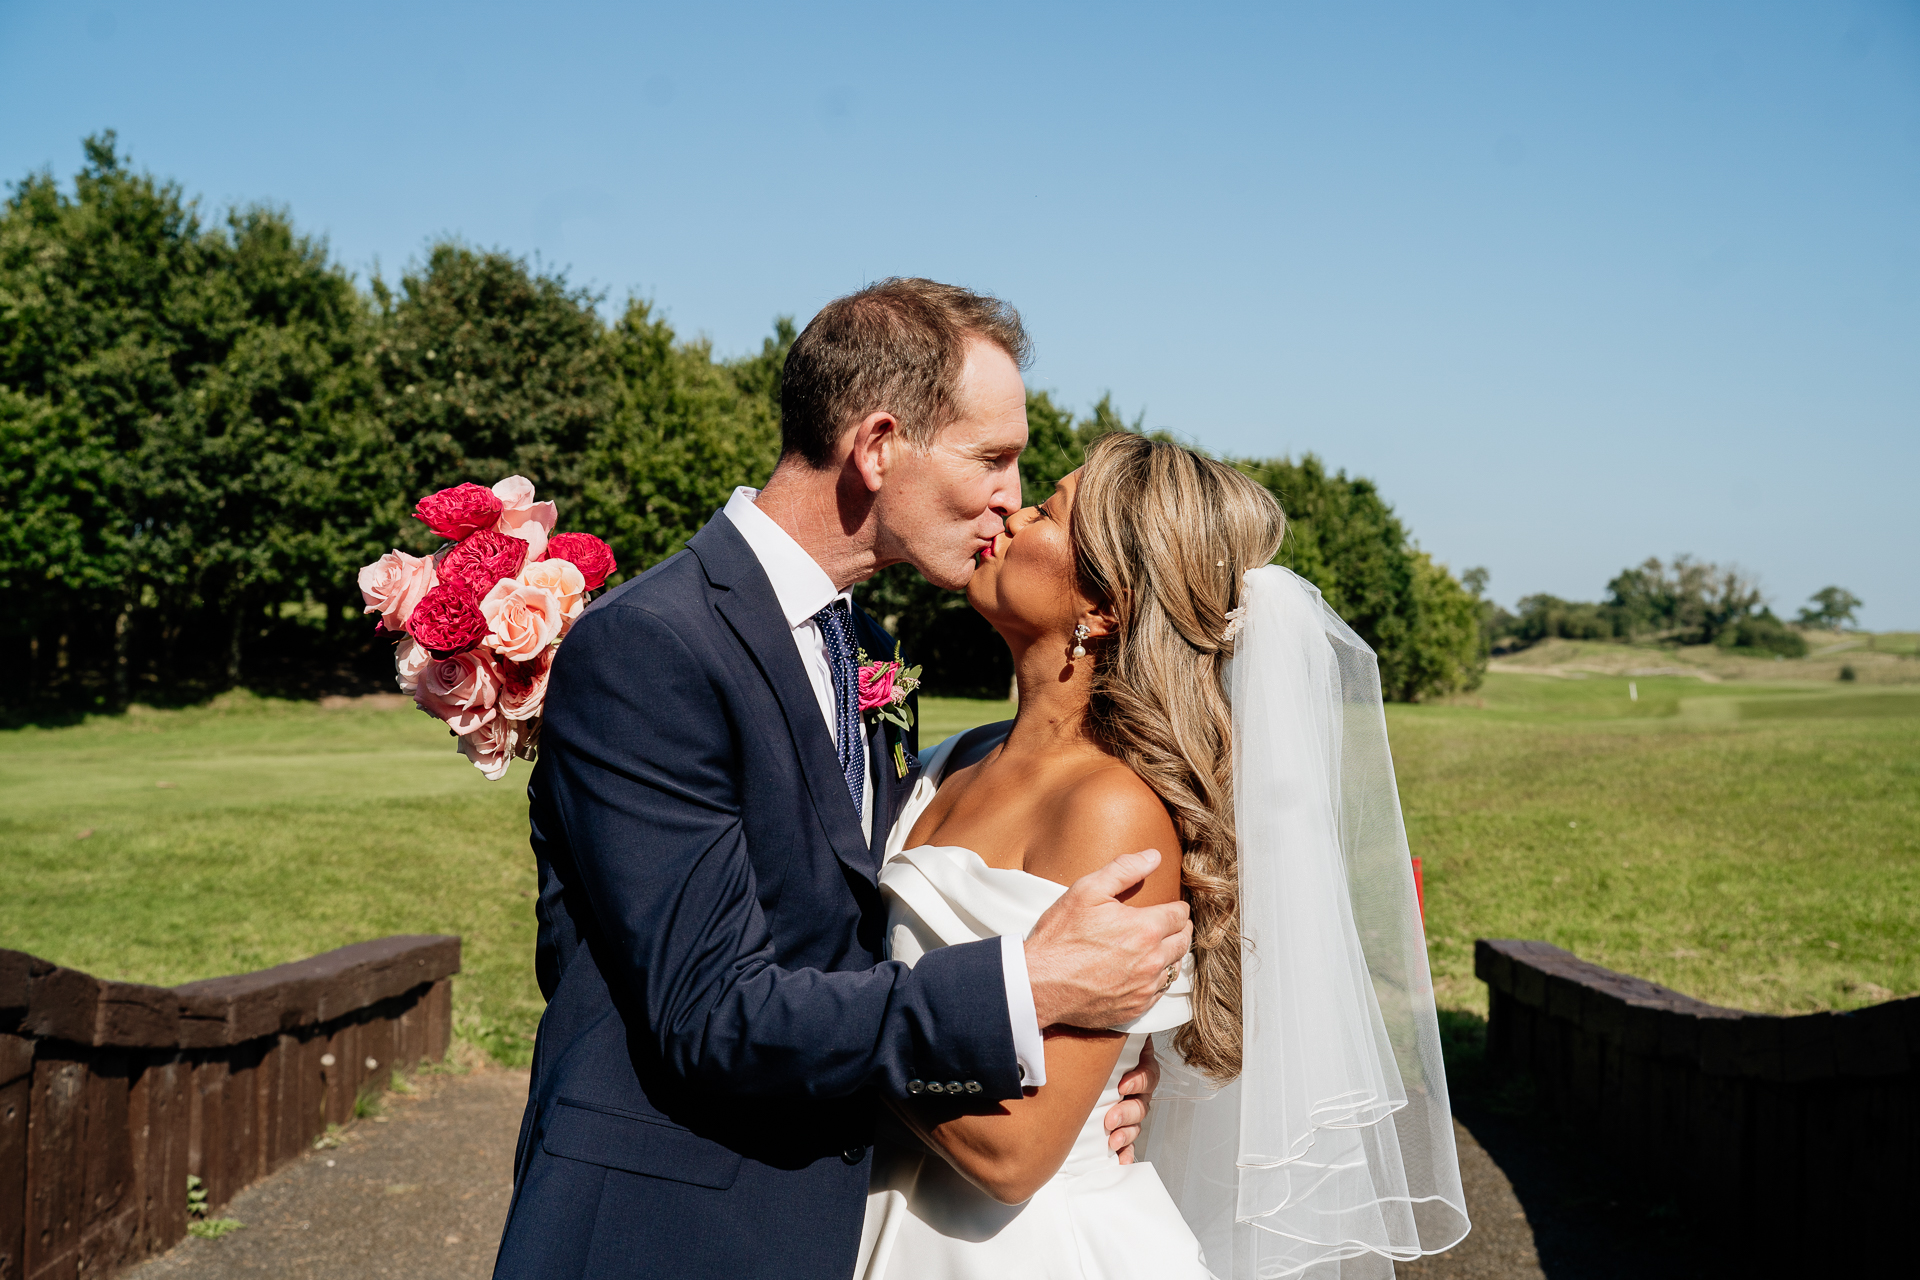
(682, 432)
(487, 369)
(1830, 608)
(1344, 538)
(173, 394)
(1764, 632)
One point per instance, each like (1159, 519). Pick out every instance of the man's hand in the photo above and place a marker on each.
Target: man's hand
(1095, 962)
(1136, 1095)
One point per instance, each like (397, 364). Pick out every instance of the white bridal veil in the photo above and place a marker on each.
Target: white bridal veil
(1332, 1154)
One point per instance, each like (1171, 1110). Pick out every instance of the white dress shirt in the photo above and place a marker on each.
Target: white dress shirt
(803, 589)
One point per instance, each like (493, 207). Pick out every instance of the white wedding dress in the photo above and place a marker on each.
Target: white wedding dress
(1096, 1219)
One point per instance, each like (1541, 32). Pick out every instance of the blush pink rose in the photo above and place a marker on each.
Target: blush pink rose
(523, 686)
(492, 746)
(523, 518)
(876, 685)
(460, 690)
(393, 585)
(521, 620)
(409, 657)
(563, 581)
(515, 493)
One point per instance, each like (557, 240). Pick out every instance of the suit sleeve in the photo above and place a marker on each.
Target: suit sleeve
(640, 779)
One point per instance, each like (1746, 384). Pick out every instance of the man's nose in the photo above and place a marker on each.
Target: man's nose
(1006, 496)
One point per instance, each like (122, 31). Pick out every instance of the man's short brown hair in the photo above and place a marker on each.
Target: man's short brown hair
(897, 346)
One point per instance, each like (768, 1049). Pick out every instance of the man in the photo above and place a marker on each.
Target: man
(709, 814)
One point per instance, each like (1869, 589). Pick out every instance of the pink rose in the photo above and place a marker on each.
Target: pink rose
(876, 685)
(586, 553)
(409, 657)
(393, 585)
(491, 747)
(515, 493)
(521, 517)
(454, 513)
(523, 686)
(460, 690)
(521, 620)
(563, 581)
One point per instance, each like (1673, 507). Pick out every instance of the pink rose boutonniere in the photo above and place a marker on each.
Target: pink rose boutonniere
(884, 690)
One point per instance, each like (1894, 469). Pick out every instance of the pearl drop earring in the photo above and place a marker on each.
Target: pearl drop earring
(1080, 633)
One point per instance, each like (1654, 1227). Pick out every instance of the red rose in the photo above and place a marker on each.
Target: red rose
(447, 620)
(592, 557)
(454, 513)
(481, 560)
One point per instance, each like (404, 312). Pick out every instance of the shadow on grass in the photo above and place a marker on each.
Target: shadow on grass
(1588, 1220)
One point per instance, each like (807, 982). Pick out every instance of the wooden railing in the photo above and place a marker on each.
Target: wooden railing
(112, 1093)
(1781, 1131)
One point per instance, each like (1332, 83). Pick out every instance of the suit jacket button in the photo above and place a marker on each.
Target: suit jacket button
(915, 1086)
(854, 1155)
(973, 1086)
(954, 1086)
(934, 1086)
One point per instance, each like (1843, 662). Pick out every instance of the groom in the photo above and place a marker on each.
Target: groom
(709, 814)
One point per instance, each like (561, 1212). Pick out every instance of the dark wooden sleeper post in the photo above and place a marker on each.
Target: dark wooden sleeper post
(112, 1093)
(1800, 1134)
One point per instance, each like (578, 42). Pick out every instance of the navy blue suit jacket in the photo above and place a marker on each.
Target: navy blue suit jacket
(720, 1027)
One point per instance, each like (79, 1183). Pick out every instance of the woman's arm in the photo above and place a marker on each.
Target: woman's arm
(1012, 1148)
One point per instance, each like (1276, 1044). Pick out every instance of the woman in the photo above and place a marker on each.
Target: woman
(1120, 597)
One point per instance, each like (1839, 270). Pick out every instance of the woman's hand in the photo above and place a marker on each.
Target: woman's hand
(1136, 1095)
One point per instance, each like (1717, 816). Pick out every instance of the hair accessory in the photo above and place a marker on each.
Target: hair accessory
(1080, 633)
(1219, 564)
(1234, 618)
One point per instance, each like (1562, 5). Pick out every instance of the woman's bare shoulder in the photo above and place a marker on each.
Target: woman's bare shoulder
(1108, 812)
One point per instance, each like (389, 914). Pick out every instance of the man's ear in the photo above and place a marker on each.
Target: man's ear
(870, 450)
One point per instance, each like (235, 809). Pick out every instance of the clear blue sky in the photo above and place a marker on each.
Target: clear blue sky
(1576, 284)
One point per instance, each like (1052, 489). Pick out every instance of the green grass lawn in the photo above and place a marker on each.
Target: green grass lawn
(1753, 845)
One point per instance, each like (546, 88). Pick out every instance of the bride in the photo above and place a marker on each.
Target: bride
(1176, 691)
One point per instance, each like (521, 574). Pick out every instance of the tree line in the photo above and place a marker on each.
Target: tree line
(1682, 601)
(207, 426)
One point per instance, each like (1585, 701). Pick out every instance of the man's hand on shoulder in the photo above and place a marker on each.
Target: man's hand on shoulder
(1099, 957)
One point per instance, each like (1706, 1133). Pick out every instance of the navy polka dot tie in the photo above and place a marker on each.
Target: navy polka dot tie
(836, 624)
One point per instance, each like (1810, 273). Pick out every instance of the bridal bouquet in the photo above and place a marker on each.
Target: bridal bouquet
(476, 622)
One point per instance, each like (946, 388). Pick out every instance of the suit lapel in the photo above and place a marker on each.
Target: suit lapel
(749, 606)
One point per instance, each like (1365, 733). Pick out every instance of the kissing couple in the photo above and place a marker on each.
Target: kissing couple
(818, 1007)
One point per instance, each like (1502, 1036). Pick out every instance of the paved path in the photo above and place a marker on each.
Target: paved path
(421, 1195)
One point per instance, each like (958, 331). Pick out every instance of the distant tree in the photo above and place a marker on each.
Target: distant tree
(181, 407)
(682, 432)
(1764, 632)
(1542, 616)
(1687, 599)
(489, 368)
(1495, 621)
(1830, 608)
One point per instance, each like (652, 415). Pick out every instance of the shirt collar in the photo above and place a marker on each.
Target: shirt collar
(800, 585)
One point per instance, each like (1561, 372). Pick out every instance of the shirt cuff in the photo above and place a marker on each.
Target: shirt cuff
(1029, 1050)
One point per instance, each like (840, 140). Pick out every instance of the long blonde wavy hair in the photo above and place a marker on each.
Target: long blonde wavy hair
(1165, 534)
